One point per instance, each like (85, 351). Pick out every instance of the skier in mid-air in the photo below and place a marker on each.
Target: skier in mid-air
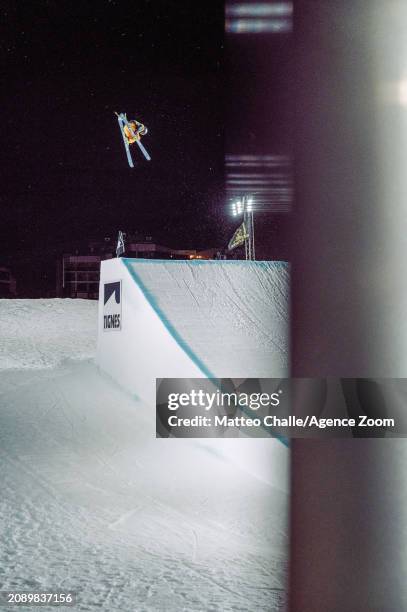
(132, 132)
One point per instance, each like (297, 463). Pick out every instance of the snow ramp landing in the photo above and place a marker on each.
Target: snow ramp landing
(191, 319)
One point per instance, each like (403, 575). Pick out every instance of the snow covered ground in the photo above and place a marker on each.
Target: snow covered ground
(92, 502)
(37, 334)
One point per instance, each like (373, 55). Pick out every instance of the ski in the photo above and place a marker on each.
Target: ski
(121, 121)
(143, 150)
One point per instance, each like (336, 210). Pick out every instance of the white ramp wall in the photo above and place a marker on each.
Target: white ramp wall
(142, 349)
(181, 319)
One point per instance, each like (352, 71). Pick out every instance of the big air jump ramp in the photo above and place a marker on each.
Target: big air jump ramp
(191, 319)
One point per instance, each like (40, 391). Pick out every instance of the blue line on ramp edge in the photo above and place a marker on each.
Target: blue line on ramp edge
(174, 333)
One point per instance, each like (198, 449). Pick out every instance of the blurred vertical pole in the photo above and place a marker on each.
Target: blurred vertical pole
(349, 297)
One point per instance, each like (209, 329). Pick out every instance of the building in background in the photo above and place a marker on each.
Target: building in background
(8, 285)
(78, 276)
(78, 273)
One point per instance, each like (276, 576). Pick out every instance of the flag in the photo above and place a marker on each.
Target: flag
(120, 244)
(238, 237)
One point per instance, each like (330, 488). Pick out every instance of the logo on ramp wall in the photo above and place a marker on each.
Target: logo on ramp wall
(112, 306)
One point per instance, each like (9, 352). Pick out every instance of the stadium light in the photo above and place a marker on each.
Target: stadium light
(245, 206)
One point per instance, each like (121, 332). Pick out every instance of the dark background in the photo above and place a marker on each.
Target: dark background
(67, 66)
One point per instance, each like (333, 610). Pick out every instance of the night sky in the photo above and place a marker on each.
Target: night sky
(67, 66)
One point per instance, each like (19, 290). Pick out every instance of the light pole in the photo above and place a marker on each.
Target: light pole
(250, 227)
(245, 206)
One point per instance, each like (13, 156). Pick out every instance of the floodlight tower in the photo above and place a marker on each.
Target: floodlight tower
(245, 206)
(250, 226)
